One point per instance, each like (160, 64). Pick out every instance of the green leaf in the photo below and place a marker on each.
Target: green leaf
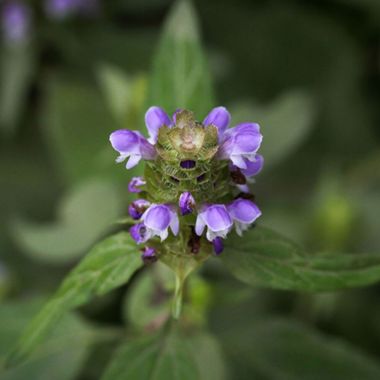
(280, 349)
(60, 357)
(17, 63)
(208, 355)
(108, 265)
(285, 123)
(77, 127)
(124, 94)
(84, 214)
(180, 77)
(264, 258)
(165, 356)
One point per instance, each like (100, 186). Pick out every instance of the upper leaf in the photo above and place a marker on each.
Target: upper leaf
(109, 264)
(180, 77)
(266, 259)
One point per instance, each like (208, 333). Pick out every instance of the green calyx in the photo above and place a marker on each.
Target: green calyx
(187, 162)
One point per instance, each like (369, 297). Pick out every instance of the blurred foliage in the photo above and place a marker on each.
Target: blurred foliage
(309, 73)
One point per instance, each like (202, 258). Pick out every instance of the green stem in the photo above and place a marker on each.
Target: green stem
(178, 295)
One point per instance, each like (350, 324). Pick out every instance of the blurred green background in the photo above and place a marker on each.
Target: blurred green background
(307, 71)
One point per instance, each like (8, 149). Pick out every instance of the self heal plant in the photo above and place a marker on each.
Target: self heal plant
(195, 187)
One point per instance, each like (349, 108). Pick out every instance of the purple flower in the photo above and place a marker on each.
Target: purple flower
(155, 118)
(131, 144)
(135, 183)
(217, 220)
(15, 20)
(240, 144)
(149, 255)
(220, 118)
(243, 212)
(218, 245)
(157, 220)
(137, 208)
(253, 167)
(186, 203)
(139, 233)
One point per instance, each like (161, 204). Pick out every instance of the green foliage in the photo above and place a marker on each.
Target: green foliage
(78, 226)
(60, 356)
(279, 349)
(266, 259)
(108, 265)
(168, 355)
(77, 125)
(180, 77)
(285, 123)
(16, 71)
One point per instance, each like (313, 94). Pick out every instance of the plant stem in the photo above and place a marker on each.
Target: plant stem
(178, 295)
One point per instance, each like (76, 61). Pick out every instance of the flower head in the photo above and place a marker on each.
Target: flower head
(186, 161)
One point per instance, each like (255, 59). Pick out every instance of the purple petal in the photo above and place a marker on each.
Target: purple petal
(157, 217)
(244, 211)
(186, 203)
(174, 117)
(218, 245)
(139, 233)
(253, 167)
(219, 117)
(174, 223)
(155, 118)
(133, 161)
(217, 218)
(125, 141)
(199, 225)
(149, 255)
(135, 183)
(137, 208)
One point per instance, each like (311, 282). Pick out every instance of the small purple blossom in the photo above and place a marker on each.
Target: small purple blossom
(155, 118)
(217, 220)
(158, 218)
(135, 183)
(131, 144)
(220, 118)
(15, 20)
(243, 212)
(186, 203)
(139, 233)
(253, 167)
(218, 245)
(240, 144)
(149, 255)
(137, 208)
